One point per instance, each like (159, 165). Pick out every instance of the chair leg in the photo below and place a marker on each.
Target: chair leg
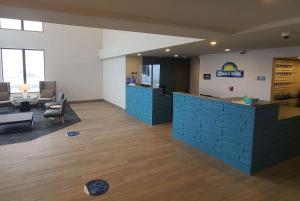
(11, 107)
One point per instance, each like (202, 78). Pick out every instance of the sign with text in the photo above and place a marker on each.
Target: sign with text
(207, 76)
(230, 69)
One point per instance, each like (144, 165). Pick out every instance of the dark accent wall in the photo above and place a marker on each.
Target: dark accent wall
(174, 72)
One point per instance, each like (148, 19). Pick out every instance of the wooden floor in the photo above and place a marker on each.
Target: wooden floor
(141, 163)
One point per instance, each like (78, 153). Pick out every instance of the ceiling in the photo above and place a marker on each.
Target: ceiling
(264, 39)
(235, 24)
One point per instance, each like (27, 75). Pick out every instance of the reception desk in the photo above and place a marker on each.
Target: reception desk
(149, 105)
(249, 138)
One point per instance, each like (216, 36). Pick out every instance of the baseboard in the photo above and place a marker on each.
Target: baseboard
(113, 104)
(95, 100)
(86, 101)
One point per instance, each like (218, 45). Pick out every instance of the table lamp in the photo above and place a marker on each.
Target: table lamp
(24, 88)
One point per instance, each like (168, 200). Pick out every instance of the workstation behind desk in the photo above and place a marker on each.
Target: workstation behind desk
(149, 93)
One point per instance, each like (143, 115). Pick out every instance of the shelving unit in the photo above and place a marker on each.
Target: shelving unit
(286, 82)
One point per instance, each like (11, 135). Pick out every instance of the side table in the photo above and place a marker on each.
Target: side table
(25, 106)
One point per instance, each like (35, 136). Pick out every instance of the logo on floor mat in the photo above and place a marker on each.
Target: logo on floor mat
(73, 133)
(96, 187)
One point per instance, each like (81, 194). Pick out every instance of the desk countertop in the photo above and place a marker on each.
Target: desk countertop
(239, 100)
(286, 112)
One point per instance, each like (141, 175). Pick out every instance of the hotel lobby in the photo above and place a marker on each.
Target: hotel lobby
(150, 100)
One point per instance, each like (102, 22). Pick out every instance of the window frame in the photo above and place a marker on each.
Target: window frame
(22, 26)
(24, 64)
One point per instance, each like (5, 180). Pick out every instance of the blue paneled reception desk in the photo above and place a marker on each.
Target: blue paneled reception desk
(149, 105)
(249, 138)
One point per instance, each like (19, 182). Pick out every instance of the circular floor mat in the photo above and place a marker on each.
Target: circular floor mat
(96, 187)
(73, 133)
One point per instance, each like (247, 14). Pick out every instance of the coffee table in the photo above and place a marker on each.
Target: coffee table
(17, 118)
(24, 103)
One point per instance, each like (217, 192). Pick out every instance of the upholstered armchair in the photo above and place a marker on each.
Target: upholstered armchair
(5, 100)
(47, 92)
(57, 112)
(57, 103)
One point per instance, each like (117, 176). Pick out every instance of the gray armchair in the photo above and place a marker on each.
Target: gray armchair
(57, 113)
(47, 92)
(58, 101)
(5, 100)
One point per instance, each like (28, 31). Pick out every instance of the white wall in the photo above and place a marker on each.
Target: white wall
(115, 71)
(70, 57)
(254, 63)
(120, 43)
(114, 80)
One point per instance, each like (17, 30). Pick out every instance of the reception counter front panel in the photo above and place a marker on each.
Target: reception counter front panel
(249, 138)
(149, 105)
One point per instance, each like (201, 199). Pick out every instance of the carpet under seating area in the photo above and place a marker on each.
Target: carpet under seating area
(10, 134)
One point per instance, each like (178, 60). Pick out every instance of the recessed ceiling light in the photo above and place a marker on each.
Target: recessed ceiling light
(227, 50)
(176, 55)
(139, 54)
(213, 43)
(167, 50)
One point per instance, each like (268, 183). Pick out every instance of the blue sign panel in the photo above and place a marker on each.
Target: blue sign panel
(230, 69)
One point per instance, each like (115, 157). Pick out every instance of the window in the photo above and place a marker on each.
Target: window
(12, 64)
(23, 66)
(11, 24)
(34, 62)
(33, 26)
(24, 25)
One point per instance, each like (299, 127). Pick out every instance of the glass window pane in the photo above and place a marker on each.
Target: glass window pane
(13, 68)
(34, 68)
(33, 26)
(156, 75)
(10, 24)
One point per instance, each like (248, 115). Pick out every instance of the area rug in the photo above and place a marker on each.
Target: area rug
(23, 133)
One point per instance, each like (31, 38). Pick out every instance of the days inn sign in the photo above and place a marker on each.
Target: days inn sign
(230, 69)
